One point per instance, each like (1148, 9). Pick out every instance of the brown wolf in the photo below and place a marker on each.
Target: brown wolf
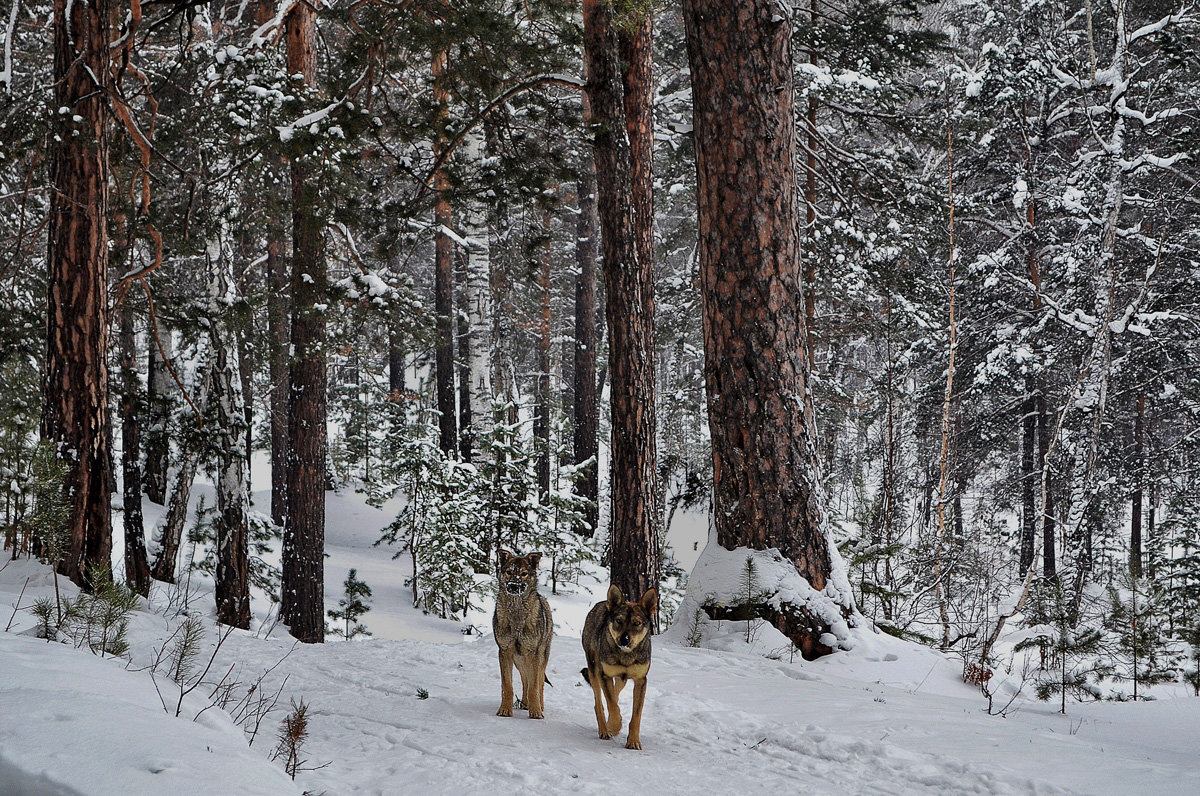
(523, 628)
(616, 642)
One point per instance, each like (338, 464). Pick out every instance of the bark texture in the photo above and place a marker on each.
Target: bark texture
(137, 566)
(480, 341)
(629, 292)
(233, 571)
(158, 400)
(302, 605)
(75, 413)
(760, 410)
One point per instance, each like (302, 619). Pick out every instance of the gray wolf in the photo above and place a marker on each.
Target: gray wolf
(616, 643)
(523, 628)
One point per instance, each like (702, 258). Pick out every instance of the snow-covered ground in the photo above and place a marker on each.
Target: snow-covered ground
(412, 710)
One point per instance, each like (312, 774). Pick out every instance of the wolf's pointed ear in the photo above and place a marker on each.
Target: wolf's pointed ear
(535, 559)
(615, 597)
(649, 602)
(505, 556)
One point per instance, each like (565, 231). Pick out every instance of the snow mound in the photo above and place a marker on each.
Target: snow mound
(71, 722)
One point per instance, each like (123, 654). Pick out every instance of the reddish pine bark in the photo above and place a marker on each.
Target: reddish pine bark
(756, 365)
(302, 601)
(629, 294)
(75, 385)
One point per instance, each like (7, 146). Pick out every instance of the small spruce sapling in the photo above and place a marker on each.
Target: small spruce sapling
(1135, 619)
(1060, 643)
(351, 607)
(749, 593)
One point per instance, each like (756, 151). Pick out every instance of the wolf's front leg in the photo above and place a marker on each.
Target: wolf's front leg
(612, 693)
(506, 683)
(537, 681)
(634, 741)
(593, 678)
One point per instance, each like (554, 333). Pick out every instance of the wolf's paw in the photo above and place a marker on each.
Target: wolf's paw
(634, 743)
(503, 711)
(536, 714)
(614, 725)
(605, 735)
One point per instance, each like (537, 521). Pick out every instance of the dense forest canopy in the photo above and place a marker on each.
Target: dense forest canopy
(477, 256)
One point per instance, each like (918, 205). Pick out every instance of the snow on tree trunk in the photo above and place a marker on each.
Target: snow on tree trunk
(137, 566)
(480, 341)
(170, 531)
(302, 604)
(1093, 392)
(159, 386)
(233, 573)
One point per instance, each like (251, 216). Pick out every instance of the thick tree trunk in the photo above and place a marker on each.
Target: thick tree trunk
(810, 211)
(635, 42)
(75, 385)
(302, 606)
(233, 572)
(766, 487)
(629, 289)
(137, 566)
(443, 278)
(586, 409)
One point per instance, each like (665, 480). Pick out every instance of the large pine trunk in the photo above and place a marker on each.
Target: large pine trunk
(586, 440)
(766, 489)
(302, 601)
(629, 293)
(75, 388)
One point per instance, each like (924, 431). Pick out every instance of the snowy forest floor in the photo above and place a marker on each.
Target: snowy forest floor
(887, 717)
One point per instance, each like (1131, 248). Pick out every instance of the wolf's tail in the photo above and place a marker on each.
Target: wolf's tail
(584, 674)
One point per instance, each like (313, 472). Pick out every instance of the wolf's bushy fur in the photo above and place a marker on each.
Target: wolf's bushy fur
(616, 643)
(523, 628)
